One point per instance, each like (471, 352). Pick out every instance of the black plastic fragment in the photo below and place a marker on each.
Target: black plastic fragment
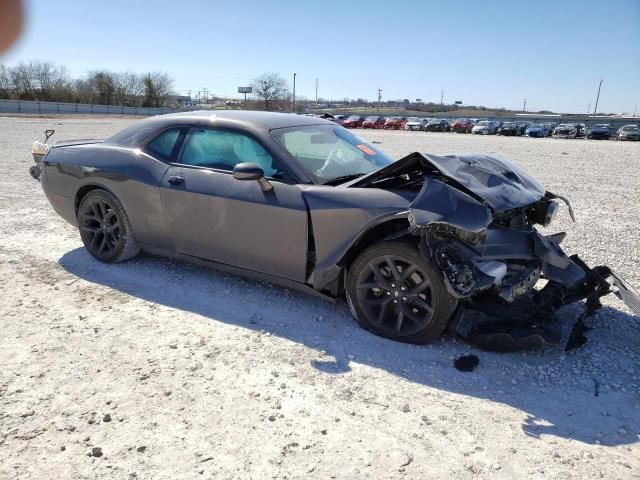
(466, 363)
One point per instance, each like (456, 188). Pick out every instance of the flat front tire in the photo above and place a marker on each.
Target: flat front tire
(105, 228)
(394, 292)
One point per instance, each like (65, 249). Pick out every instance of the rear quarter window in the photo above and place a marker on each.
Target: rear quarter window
(161, 147)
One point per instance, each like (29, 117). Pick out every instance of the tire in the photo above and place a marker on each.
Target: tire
(378, 308)
(105, 229)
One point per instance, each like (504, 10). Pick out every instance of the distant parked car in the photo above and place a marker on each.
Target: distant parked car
(485, 127)
(599, 132)
(523, 127)
(415, 123)
(339, 119)
(569, 130)
(354, 121)
(537, 130)
(438, 125)
(509, 129)
(629, 132)
(395, 123)
(462, 125)
(550, 128)
(373, 122)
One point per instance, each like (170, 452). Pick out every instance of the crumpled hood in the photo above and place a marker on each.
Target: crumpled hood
(496, 182)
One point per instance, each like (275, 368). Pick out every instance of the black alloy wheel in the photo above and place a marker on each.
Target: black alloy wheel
(396, 293)
(104, 228)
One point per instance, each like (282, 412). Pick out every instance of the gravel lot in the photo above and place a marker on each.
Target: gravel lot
(155, 369)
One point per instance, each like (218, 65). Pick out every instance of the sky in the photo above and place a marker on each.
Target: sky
(492, 53)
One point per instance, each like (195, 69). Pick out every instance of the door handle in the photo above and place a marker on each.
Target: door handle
(174, 180)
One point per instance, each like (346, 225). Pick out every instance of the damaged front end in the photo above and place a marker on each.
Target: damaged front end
(476, 216)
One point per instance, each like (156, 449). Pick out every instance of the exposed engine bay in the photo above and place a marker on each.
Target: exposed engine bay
(475, 217)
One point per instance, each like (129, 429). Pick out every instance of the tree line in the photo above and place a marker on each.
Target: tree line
(45, 81)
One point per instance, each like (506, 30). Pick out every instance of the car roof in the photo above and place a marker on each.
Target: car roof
(243, 119)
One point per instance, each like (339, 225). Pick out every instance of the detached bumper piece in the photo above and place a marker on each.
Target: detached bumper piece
(529, 322)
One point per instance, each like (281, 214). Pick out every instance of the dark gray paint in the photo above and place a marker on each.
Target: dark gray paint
(216, 217)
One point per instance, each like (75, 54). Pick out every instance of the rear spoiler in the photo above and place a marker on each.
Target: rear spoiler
(82, 141)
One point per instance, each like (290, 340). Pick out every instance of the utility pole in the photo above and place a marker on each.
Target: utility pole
(441, 96)
(189, 93)
(316, 91)
(635, 109)
(205, 96)
(524, 105)
(588, 109)
(595, 110)
(379, 99)
(294, 92)
(198, 97)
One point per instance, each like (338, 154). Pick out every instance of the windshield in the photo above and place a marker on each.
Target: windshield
(508, 125)
(414, 119)
(601, 126)
(354, 117)
(372, 119)
(327, 152)
(536, 125)
(630, 128)
(435, 120)
(483, 123)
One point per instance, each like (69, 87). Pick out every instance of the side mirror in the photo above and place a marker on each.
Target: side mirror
(252, 171)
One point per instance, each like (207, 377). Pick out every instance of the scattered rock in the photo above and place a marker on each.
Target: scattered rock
(106, 418)
(63, 448)
(466, 363)
(141, 449)
(400, 458)
(96, 452)
(406, 408)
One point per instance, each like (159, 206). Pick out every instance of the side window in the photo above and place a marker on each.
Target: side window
(162, 146)
(223, 150)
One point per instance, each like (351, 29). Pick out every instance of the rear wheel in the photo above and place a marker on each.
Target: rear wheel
(105, 229)
(394, 292)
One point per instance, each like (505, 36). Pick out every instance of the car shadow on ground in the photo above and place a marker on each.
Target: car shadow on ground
(584, 412)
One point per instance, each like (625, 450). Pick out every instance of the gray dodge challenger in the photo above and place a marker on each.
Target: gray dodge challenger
(418, 246)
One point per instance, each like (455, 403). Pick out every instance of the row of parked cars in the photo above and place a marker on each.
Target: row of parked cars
(489, 127)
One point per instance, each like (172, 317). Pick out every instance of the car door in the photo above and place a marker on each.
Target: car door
(214, 216)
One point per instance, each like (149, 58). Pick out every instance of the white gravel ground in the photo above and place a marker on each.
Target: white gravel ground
(174, 371)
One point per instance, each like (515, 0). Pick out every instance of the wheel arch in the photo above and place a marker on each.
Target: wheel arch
(394, 227)
(331, 276)
(84, 190)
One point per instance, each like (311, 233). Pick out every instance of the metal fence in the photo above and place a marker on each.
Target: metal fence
(22, 106)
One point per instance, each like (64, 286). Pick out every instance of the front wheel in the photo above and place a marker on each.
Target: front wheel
(105, 229)
(394, 292)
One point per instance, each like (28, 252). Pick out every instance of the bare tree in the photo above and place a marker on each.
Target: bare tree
(128, 87)
(6, 86)
(49, 82)
(157, 86)
(269, 87)
(23, 80)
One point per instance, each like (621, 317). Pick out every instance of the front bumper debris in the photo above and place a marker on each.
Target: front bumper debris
(475, 217)
(530, 321)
